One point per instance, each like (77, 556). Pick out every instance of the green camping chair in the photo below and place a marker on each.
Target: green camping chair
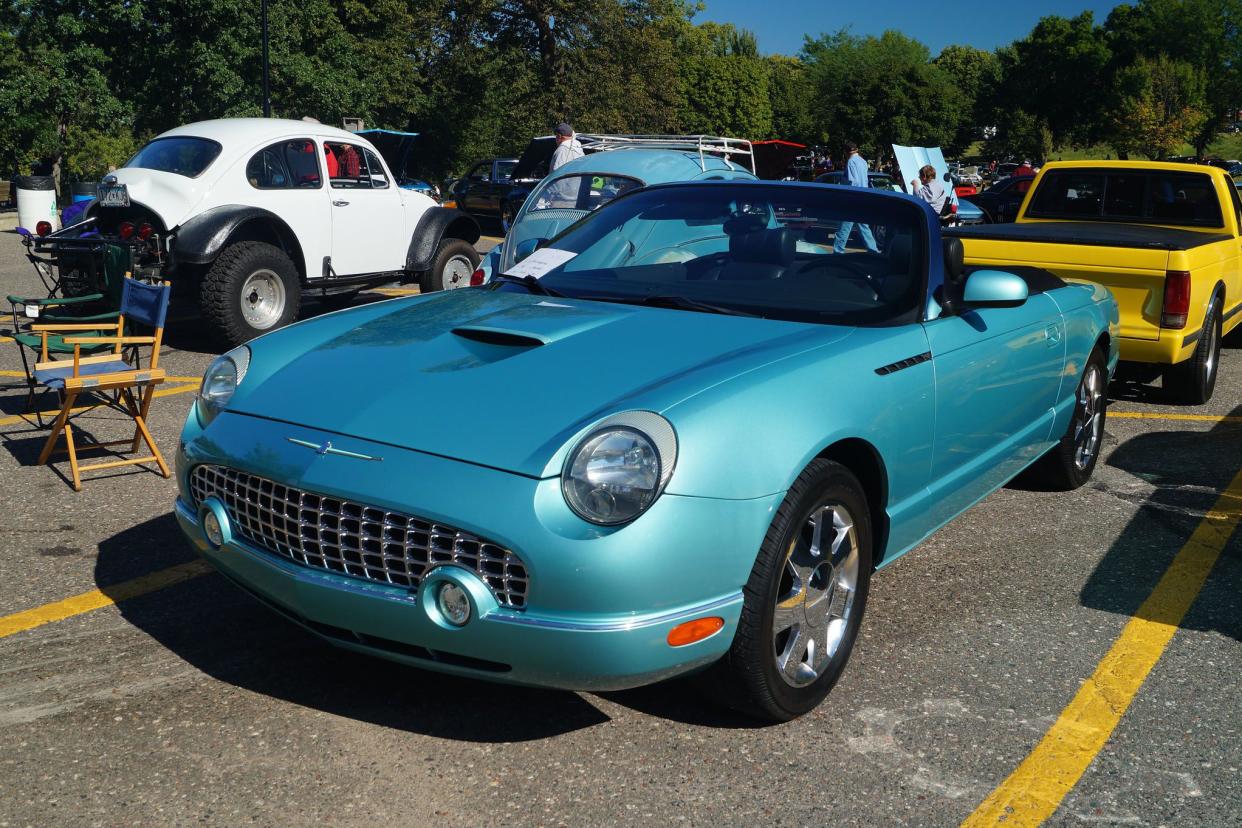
(100, 307)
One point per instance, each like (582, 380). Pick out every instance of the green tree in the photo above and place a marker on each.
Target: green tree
(880, 91)
(1161, 104)
(792, 97)
(1201, 34)
(1057, 74)
(976, 75)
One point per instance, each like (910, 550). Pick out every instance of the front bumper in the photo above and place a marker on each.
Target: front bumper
(600, 605)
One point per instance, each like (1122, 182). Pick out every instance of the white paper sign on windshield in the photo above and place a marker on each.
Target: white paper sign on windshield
(540, 262)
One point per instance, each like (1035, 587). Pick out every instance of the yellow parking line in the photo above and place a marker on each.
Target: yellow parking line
(397, 291)
(1034, 791)
(192, 384)
(1198, 418)
(96, 598)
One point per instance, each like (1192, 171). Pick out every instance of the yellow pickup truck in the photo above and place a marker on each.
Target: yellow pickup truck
(1166, 239)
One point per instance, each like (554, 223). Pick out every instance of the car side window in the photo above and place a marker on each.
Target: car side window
(375, 169)
(481, 172)
(287, 165)
(346, 168)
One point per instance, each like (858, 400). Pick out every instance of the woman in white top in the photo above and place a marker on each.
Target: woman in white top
(929, 188)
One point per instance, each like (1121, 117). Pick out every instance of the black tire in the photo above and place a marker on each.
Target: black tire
(445, 272)
(224, 306)
(1193, 381)
(1070, 463)
(748, 677)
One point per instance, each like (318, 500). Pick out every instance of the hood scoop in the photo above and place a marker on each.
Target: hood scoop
(488, 335)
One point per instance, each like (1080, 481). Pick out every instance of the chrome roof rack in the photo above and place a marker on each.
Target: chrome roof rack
(702, 144)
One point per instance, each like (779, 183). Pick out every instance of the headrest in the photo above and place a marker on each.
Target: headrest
(954, 261)
(774, 247)
(898, 250)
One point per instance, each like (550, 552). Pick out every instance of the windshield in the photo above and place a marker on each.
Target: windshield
(186, 156)
(581, 192)
(773, 251)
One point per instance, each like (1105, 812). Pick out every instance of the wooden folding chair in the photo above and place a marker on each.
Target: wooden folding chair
(94, 376)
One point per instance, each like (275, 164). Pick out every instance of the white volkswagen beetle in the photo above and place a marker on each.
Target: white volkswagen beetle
(247, 215)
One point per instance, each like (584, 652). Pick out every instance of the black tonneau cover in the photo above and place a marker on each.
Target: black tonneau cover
(1096, 233)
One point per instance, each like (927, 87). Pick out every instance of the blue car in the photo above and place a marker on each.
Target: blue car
(588, 183)
(677, 437)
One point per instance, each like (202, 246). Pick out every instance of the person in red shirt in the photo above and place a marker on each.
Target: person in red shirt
(334, 168)
(1024, 169)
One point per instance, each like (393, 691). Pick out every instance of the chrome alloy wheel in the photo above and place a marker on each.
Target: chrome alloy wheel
(816, 594)
(457, 273)
(262, 299)
(1088, 416)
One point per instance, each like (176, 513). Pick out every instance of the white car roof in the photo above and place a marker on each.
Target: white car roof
(232, 131)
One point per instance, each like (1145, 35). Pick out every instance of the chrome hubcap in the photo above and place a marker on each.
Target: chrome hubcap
(816, 595)
(1088, 417)
(262, 299)
(457, 272)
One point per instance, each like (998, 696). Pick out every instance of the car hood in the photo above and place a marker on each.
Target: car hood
(497, 378)
(171, 196)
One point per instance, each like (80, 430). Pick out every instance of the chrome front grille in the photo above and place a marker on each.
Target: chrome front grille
(353, 539)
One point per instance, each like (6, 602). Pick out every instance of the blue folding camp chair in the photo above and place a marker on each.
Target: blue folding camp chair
(96, 376)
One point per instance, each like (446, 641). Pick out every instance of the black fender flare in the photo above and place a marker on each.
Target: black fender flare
(434, 225)
(201, 239)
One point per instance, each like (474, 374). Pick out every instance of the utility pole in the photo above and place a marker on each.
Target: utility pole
(267, 96)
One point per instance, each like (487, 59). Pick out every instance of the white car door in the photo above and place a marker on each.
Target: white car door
(369, 232)
(290, 177)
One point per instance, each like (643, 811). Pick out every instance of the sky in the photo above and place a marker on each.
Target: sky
(985, 24)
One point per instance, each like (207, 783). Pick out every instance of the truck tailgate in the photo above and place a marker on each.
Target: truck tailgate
(1136, 277)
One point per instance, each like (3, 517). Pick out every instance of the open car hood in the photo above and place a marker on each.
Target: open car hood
(533, 163)
(500, 379)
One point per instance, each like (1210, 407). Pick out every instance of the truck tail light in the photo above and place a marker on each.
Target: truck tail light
(477, 278)
(126, 230)
(43, 228)
(145, 230)
(1176, 299)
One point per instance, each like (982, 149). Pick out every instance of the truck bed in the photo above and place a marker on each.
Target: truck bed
(1091, 233)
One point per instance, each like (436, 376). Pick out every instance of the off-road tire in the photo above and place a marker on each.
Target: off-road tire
(450, 249)
(1192, 382)
(220, 294)
(1059, 469)
(746, 679)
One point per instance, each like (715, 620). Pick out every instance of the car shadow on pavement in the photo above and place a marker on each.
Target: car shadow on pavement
(1188, 470)
(226, 634)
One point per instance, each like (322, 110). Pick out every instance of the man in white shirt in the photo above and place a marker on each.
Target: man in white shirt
(567, 147)
(929, 188)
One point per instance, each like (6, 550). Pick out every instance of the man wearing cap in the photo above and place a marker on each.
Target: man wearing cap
(567, 147)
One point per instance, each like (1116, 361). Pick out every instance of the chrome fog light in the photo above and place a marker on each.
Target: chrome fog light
(453, 604)
(211, 528)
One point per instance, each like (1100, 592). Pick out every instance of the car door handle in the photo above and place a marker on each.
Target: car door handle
(340, 203)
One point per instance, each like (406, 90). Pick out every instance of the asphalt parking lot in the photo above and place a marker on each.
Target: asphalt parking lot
(136, 688)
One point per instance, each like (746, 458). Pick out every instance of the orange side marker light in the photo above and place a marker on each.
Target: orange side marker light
(696, 630)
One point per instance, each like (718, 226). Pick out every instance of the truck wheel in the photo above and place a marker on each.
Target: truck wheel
(1193, 381)
(454, 263)
(251, 288)
(804, 601)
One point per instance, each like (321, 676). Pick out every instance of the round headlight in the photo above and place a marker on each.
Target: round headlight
(613, 476)
(221, 380)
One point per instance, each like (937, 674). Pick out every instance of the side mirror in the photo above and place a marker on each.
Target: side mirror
(994, 289)
(527, 246)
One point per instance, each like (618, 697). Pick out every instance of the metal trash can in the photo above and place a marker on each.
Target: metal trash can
(36, 201)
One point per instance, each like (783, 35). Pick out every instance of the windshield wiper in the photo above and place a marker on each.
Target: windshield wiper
(530, 283)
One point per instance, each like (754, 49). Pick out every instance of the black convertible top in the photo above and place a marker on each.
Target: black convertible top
(1096, 233)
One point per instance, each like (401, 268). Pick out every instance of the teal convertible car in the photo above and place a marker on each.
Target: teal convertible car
(678, 437)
